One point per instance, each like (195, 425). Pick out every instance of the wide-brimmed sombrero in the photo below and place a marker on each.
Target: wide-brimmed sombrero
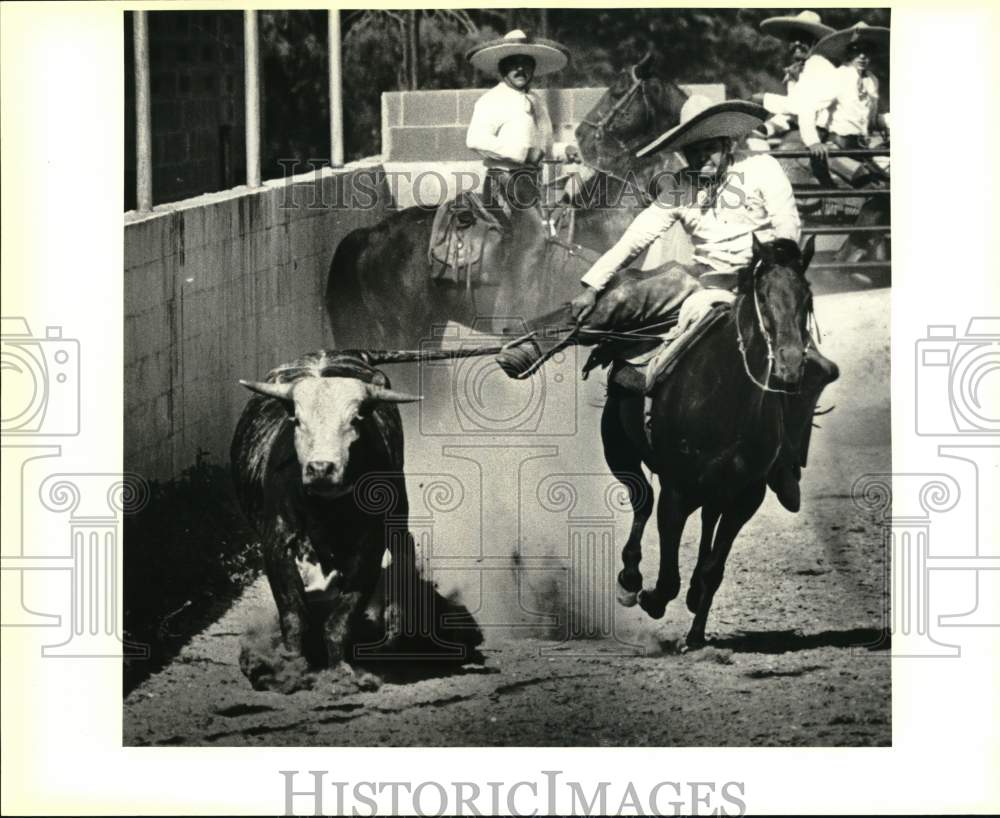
(790, 28)
(701, 119)
(549, 56)
(834, 46)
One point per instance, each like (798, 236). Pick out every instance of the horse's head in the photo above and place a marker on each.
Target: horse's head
(775, 282)
(637, 107)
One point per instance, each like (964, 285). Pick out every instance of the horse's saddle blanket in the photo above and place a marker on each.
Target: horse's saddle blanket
(460, 233)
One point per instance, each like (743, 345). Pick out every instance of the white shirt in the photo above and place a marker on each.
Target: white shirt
(817, 69)
(843, 101)
(756, 198)
(506, 123)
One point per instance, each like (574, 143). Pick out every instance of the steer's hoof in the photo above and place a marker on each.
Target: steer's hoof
(625, 598)
(651, 605)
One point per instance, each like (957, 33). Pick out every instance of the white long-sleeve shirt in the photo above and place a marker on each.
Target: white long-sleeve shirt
(843, 101)
(817, 70)
(506, 123)
(756, 198)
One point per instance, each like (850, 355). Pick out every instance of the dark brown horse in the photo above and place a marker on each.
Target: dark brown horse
(379, 290)
(716, 429)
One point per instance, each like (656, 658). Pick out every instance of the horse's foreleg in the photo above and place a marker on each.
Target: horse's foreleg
(711, 571)
(709, 519)
(626, 466)
(672, 512)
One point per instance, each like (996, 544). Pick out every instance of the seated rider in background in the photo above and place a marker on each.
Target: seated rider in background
(801, 32)
(840, 110)
(725, 196)
(510, 126)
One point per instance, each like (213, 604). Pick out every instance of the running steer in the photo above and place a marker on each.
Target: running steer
(313, 430)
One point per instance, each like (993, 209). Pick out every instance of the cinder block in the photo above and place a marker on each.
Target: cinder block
(412, 144)
(560, 105)
(430, 108)
(467, 102)
(451, 145)
(584, 101)
(392, 109)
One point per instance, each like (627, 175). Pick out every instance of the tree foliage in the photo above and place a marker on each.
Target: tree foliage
(691, 45)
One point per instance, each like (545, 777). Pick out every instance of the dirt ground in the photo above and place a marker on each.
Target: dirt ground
(793, 659)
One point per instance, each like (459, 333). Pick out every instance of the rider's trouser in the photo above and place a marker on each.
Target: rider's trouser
(633, 303)
(508, 189)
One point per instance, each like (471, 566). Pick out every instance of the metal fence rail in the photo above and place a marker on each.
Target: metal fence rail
(833, 230)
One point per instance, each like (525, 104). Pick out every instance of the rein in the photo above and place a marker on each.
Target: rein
(759, 318)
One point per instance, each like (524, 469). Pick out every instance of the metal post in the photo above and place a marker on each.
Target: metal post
(143, 132)
(336, 91)
(251, 69)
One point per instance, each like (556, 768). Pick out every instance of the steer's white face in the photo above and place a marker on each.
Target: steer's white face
(327, 414)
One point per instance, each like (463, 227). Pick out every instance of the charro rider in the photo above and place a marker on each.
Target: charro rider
(844, 102)
(724, 197)
(801, 32)
(510, 127)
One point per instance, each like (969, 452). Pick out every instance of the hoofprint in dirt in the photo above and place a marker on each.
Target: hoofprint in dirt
(789, 660)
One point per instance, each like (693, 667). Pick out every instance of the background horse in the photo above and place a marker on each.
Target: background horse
(379, 288)
(716, 429)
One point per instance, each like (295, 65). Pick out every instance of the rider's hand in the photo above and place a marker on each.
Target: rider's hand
(572, 153)
(534, 156)
(581, 306)
(819, 150)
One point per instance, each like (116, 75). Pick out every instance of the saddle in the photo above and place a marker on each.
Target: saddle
(462, 229)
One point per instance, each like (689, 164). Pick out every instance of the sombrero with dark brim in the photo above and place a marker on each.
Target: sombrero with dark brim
(834, 46)
(549, 56)
(787, 28)
(734, 118)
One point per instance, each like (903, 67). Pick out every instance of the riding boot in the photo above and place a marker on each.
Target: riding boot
(799, 409)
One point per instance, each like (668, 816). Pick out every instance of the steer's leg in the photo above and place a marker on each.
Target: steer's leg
(711, 571)
(287, 589)
(625, 465)
(356, 590)
(672, 512)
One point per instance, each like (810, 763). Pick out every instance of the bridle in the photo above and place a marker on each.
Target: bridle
(601, 127)
(759, 318)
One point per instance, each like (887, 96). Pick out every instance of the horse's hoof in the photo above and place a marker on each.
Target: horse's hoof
(626, 599)
(693, 642)
(651, 606)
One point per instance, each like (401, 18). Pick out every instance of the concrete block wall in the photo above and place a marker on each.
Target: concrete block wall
(222, 287)
(197, 116)
(422, 126)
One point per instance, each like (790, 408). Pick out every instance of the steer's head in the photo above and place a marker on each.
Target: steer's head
(328, 414)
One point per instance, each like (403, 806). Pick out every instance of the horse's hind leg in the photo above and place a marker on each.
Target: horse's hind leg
(626, 466)
(671, 514)
(710, 574)
(709, 519)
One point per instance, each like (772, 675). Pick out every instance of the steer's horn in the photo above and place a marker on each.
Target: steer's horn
(281, 391)
(391, 395)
